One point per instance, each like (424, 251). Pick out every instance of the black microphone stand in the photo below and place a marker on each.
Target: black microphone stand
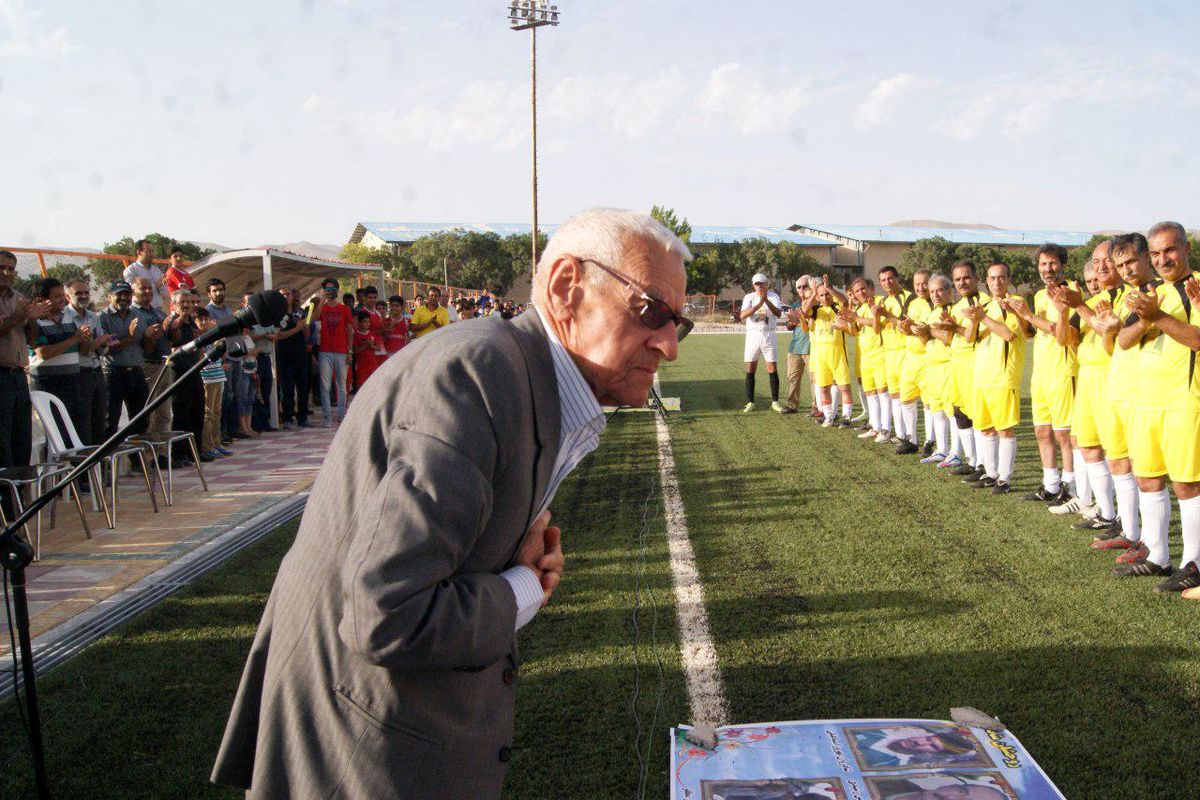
(16, 554)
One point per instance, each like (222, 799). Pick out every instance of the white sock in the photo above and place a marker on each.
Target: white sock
(955, 442)
(847, 410)
(885, 412)
(1007, 458)
(930, 425)
(980, 452)
(897, 418)
(1050, 480)
(910, 422)
(1083, 479)
(940, 431)
(827, 410)
(1100, 484)
(1156, 516)
(988, 453)
(1189, 518)
(966, 437)
(873, 411)
(1127, 505)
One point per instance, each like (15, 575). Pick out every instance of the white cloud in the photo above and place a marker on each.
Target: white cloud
(740, 99)
(880, 103)
(24, 38)
(313, 103)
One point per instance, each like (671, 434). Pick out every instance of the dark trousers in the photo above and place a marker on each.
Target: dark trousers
(93, 404)
(66, 389)
(188, 410)
(260, 418)
(126, 386)
(294, 374)
(16, 426)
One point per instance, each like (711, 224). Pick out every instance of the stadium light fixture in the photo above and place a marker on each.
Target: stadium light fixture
(530, 15)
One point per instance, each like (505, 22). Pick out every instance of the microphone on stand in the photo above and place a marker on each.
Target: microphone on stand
(264, 308)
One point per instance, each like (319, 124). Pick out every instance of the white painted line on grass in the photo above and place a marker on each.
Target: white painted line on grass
(699, 655)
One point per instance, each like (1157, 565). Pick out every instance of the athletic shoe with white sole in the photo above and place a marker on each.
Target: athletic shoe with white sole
(986, 482)
(868, 434)
(935, 458)
(1096, 523)
(1073, 506)
(776, 407)
(883, 437)
(1183, 579)
(1143, 567)
(953, 462)
(829, 422)
(748, 408)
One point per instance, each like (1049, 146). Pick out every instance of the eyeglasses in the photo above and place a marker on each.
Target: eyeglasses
(655, 313)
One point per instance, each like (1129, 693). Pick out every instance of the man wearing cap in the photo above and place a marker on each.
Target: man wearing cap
(123, 364)
(760, 312)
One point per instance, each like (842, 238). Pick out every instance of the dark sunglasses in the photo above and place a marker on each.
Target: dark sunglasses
(655, 313)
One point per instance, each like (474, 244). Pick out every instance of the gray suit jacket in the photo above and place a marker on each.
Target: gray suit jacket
(385, 662)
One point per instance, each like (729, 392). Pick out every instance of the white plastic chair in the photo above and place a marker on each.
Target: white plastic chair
(70, 448)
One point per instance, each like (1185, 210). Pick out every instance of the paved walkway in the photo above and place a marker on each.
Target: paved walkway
(75, 573)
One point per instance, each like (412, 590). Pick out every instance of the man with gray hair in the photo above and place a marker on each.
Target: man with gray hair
(386, 661)
(798, 348)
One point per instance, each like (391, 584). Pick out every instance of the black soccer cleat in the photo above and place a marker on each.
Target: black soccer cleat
(906, 448)
(1041, 495)
(1001, 487)
(1182, 580)
(965, 469)
(1141, 567)
(986, 482)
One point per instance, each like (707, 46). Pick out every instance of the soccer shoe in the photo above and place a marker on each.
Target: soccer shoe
(1089, 510)
(1112, 543)
(866, 426)
(828, 423)
(1002, 487)
(894, 439)
(745, 409)
(927, 448)
(1073, 506)
(986, 482)
(778, 409)
(906, 448)
(1141, 567)
(815, 414)
(1181, 580)
(933, 458)
(965, 469)
(1043, 496)
(976, 474)
(868, 434)
(788, 410)
(1096, 523)
(843, 423)
(953, 463)
(1113, 531)
(883, 437)
(1135, 553)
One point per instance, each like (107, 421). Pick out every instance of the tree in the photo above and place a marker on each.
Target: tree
(62, 270)
(708, 272)
(668, 218)
(470, 259)
(517, 248)
(104, 271)
(781, 261)
(939, 255)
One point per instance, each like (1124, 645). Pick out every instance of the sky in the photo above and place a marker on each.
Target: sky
(276, 121)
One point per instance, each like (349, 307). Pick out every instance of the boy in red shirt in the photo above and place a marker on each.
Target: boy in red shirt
(395, 325)
(368, 348)
(336, 323)
(176, 277)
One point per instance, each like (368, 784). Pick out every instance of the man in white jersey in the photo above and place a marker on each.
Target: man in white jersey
(760, 311)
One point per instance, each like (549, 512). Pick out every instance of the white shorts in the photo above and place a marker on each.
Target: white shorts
(764, 342)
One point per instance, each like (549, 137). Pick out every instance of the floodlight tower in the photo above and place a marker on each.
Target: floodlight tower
(531, 15)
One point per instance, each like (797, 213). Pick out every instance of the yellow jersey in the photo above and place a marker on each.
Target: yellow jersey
(870, 341)
(897, 305)
(423, 314)
(1091, 351)
(1051, 361)
(959, 346)
(1123, 366)
(999, 364)
(936, 351)
(1166, 369)
(821, 330)
(918, 311)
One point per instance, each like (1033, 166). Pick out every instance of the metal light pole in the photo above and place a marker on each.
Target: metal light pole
(531, 15)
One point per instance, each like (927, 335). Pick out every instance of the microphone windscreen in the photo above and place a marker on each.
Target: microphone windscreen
(268, 307)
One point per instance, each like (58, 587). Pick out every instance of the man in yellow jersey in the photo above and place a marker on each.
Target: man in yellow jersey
(828, 319)
(999, 362)
(1093, 343)
(1164, 436)
(872, 370)
(894, 307)
(937, 384)
(913, 372)
(1052, 386)
(962, 368)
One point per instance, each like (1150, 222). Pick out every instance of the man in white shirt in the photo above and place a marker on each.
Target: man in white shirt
(145, 267)
(760, 311)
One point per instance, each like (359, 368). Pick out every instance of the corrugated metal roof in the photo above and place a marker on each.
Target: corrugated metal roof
(408, 232)
(996, 236)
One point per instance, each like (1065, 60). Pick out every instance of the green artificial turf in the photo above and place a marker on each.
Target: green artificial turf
(840, 579)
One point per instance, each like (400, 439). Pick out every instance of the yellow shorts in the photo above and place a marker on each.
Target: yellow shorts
(873, 373)
(911, 377)
(963, 373)
(829, 366)
(1090, 405)
(1113, 420)
(1166, 443)
(938, 391)
(996, 407)
(1053, 401)
(894, 362)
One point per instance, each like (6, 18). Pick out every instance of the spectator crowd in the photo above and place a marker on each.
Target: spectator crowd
(105, 360)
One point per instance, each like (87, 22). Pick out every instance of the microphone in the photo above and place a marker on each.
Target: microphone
(264, 308)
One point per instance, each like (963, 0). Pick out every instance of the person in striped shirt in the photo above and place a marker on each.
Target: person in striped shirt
(54, 359)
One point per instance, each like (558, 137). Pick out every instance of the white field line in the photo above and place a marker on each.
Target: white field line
(699, 655)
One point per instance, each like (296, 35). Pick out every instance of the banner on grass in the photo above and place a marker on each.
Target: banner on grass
(880, 759)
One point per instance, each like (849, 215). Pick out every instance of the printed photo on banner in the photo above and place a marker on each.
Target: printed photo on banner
(907, 746)
(774, 789)
(941, 786)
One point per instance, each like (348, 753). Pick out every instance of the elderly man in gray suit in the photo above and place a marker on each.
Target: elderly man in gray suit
(385, 663)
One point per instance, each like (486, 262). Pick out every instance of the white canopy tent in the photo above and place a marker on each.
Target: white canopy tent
(271, 268)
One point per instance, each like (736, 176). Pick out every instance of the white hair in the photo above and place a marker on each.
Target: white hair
(941, 280)
(803, 280)
(602, 233)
